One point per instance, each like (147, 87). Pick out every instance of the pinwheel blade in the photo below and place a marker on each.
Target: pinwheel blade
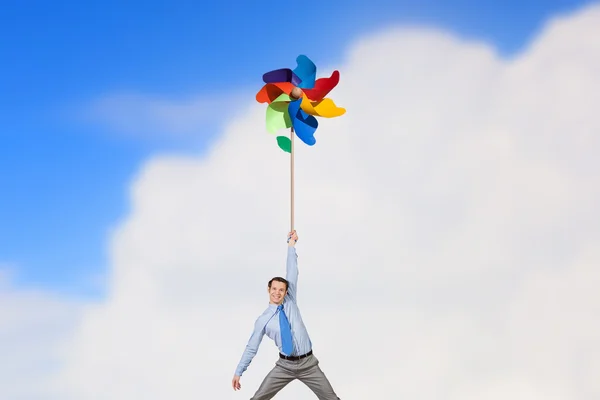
(284, 143)
(271, 91)
(278, 75)
(325, 108)
(322, 87)
(304, 125)
(277, 115)
(306, 71)
(281, 75)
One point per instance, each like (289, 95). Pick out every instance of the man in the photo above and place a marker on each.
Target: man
(282, 322)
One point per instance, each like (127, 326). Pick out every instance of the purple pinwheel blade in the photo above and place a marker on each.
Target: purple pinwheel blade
(295, 80)
(279, 75)
(304, 124)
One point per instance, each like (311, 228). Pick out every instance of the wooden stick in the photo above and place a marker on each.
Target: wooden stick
(292, 179)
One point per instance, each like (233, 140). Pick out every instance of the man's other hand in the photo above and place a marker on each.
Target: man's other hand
(235, 382)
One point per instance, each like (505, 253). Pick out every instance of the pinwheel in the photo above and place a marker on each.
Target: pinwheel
(295, 98)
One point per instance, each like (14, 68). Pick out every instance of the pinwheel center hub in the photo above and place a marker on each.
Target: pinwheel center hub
(296, 93)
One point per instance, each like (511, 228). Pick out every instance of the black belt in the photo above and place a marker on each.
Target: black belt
(295, 358)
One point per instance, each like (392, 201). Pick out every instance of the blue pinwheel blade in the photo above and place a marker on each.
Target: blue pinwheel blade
(304, 124)
(306, 71)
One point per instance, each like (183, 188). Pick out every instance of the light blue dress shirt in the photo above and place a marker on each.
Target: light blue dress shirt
(268, 322)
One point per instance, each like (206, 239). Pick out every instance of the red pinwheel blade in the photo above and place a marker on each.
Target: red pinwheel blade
(322, 87)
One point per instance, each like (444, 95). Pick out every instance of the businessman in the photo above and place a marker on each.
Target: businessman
(281, 322)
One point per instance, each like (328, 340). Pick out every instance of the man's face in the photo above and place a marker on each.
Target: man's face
(277, 292)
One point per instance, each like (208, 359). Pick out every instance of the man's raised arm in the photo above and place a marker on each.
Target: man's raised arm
(292, 266)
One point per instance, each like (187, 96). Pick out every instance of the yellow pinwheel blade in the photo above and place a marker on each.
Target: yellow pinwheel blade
(325, 108)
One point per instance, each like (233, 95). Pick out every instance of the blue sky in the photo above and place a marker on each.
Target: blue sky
(64, 179)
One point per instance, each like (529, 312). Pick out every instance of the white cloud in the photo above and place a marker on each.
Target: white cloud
(449, 236)
(33, 328)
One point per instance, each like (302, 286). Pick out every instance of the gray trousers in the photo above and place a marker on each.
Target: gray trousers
(306, 370)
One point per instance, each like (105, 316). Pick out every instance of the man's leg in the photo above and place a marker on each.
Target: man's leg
(312, 376)
(275, 380)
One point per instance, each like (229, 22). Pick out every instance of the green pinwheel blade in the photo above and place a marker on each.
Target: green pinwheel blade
(277, 116)
(284, 143)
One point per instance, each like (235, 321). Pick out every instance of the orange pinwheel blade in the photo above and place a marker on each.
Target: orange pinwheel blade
(271, 91)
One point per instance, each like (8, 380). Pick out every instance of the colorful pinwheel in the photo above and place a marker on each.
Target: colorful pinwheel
(295, 98)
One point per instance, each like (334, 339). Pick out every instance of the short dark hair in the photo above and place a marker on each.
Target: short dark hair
(279, 279)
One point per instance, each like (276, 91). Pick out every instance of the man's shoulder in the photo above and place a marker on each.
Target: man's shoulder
(263, 318)
(289, 301)
(265, 314)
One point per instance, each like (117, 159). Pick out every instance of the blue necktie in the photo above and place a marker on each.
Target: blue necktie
(286, 332)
